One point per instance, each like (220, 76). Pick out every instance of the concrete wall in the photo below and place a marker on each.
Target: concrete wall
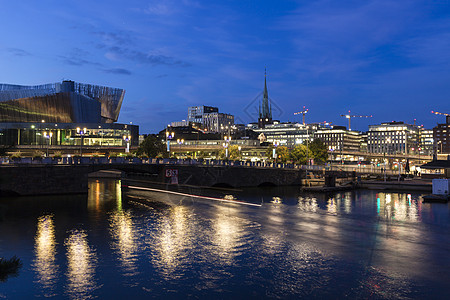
(66, 179)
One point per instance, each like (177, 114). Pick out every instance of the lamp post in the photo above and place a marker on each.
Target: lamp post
(180, 141)
(169, 136)
(127, 139)
(227, 140)
(274, 151)
(81, 133)
(239, 149)
(48, 137)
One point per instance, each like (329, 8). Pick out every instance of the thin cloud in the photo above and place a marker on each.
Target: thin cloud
(18, 52)
(118, 71)
(77, 61)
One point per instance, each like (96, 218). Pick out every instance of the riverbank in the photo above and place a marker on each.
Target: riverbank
(417, 185)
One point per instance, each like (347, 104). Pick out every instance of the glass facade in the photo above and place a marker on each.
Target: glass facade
(65, 102)
(63, 134)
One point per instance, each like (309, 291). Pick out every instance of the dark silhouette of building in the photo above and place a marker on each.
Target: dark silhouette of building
(265, 110)
(441, 136)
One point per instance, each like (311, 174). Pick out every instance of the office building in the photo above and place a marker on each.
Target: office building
(339, 138)
(426, 146)
(393, 138)
(287, 134)
(195, 113)
(441, 136)
(218, 122)
(66, 113)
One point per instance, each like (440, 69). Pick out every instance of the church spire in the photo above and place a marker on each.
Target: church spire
(265, 113)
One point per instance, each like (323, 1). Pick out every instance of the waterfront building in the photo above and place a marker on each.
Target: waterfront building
(441, 137)
(195, 113)
(180, 123)
(426, 146)
(63, 114)
(339, 138)
(218, 122)
(393, 138)
(287, 134)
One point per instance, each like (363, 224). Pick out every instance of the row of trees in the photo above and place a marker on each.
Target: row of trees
(300, 154)
(316, 150)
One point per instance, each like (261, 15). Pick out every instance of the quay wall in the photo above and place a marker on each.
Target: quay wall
(33, 179)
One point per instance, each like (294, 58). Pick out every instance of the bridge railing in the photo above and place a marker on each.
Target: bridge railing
(369, 169)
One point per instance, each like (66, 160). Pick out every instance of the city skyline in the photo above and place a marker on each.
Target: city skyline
(388, 59)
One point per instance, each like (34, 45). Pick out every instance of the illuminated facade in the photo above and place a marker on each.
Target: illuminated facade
(393, 138)
(441, 136)
(339, 138)
(288, 134)
(65, 102)
(63, 114)
(218, 122)
(195, 113)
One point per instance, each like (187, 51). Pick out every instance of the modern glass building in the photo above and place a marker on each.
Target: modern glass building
(63, 114)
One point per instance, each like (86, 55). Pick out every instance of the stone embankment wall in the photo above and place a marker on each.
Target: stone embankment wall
(28, 179)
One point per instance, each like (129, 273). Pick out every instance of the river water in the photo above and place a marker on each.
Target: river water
(360, 244)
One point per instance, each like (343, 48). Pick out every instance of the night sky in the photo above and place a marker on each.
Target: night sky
(389, 59)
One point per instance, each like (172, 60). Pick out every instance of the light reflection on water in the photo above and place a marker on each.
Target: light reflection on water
(353, 244)
(81, 265)
(125, 241)
(45, 255)
(171, 241)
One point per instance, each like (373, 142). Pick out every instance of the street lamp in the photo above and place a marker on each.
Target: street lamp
(81, 133)
(127, 139)
(225, 145)
(274, 150)
(48, 137)
(169, 136)
(180, 141)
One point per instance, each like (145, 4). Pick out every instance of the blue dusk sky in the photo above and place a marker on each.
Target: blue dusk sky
(386, 58)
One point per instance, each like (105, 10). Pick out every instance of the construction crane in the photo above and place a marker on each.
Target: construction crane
(438, 113)
(303, 112)
(350, 116)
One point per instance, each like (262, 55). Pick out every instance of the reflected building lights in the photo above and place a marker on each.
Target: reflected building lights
(172, 240)
(332, 206)
(125, 241)
(45, 254)
(227, 233)
(307, 204)
(348, 203)
(276, 200)
(81, 264)
(398, 207)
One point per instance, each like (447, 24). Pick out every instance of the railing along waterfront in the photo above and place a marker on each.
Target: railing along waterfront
(368, 169)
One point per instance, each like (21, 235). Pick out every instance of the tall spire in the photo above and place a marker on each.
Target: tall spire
(266, 111)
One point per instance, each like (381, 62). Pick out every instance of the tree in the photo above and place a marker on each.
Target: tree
(151, 146)
(319, 151)
(233, 152)
(282, 153)
(269, 151)
(300, 154)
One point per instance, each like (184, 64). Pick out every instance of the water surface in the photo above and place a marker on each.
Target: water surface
(361, 244)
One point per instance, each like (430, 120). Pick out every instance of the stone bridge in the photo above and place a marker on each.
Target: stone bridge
(35, 179)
